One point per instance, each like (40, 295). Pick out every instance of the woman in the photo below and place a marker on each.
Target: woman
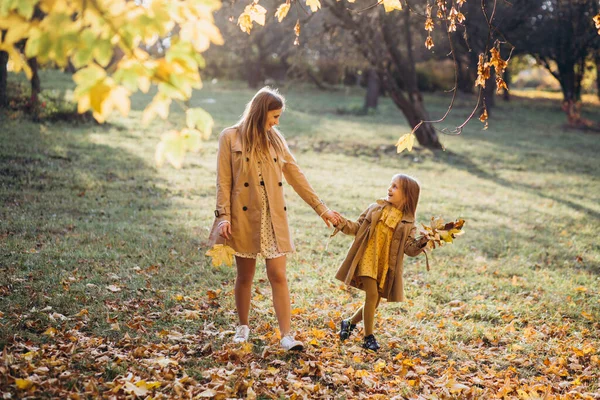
(251, 214)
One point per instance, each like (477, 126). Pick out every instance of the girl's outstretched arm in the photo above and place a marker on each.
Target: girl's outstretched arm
(413, 247)
(350, 227)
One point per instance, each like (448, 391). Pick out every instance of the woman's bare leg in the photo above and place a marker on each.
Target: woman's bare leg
(281, 293)
(246, 267)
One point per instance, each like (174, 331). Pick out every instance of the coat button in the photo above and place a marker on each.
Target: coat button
(262, 183)
(247, 159)
(244, 208)
(280, 184)
(246, 184)
(284, 208)
(275, 159)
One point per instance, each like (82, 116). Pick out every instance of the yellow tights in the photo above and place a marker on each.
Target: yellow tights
(367, 312)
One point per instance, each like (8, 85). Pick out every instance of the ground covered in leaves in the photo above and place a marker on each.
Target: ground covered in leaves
(105, 290)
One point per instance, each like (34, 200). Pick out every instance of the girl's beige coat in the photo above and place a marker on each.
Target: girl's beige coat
(403, 242)
(239, 198)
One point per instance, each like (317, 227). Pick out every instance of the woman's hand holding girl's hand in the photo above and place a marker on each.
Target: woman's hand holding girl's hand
(332, 217)
(225, 229)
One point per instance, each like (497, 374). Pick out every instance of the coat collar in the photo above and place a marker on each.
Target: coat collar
(382, 203)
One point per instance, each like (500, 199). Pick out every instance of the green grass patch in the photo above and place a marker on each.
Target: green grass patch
(100, 245)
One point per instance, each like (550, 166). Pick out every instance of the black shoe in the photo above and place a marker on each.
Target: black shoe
(370, 343)
(346, 329)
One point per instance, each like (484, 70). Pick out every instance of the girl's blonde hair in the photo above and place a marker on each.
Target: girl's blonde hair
(411, 190)
(255, 141)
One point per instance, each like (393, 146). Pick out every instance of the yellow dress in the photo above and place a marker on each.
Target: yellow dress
(374, 262)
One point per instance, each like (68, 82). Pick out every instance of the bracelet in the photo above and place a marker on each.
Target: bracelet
(223, 222)
(324, 212)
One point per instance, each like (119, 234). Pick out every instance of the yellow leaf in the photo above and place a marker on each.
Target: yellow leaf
(484, 115)
(406, 141)
(258, 14)
(50, 331)
(587, 316)
(134, 389)
(152, 384)
(160, 106)
(119, 96)
(16, 60)
(201, 120)
(23, 383)
(282, 11)
(361, 373)
(99, 100)
(192, 140)
(252, 13)
(221, 254)
(297, 28)
(200, 34)
(18, 28)
(315, 5)
(171, 148)
(245, 23)
(391, 5)
(379, 366)
(446, 237)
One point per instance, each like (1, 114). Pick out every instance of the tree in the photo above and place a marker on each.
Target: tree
(86, 34)
(3, 77)
(562, 37)
(386, 42)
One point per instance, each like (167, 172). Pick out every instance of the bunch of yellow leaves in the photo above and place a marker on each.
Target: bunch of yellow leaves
(221, 253)
(439, 232)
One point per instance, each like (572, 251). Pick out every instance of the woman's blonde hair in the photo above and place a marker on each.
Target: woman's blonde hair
(255, 141)
(411, 190)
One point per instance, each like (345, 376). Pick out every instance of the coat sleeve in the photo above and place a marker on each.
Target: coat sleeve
(350, 227)
(224, 178)
(296, 178)
(413, 247)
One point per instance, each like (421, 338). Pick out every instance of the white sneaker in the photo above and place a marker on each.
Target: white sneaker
(241, 334)
(289, 343)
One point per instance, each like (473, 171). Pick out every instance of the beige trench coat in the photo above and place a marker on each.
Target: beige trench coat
(239, 198)
(403, 242)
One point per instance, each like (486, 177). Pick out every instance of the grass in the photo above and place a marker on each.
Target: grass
(88, 223)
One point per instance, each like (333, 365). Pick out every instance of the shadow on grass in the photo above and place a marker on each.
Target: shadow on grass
(464, 163)
(87, 226)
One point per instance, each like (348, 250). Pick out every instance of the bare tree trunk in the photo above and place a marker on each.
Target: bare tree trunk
(373, 89)
(597, 60)
(414, 111)
(34, 103)
(35, 81)
(3, 79)
(507, 79)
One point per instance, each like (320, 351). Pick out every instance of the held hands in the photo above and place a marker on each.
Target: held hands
(331, 217)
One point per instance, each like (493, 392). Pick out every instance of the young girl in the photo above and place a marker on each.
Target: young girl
(251, 214)
(384, 232)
